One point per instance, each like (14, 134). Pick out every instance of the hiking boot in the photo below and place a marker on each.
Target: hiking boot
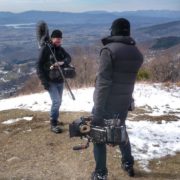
(98, 176)
(60, 123)
(128, 168)
(56, 129)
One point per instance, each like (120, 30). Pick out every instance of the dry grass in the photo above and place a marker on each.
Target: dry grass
(30, 151)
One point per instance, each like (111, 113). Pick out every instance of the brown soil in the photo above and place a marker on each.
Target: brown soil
(29, 150)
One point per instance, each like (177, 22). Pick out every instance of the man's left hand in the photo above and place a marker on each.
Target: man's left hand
(57, 64)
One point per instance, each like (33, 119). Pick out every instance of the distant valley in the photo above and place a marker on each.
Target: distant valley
(153, 30)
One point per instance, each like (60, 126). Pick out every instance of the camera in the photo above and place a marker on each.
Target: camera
(80, 127)
(69, 71)
(112, 133)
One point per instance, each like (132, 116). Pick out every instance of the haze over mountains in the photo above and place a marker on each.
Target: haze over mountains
(137, 18)
(18, 45)
(84, 28)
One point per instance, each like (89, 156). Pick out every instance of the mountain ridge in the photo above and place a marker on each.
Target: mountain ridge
(143, 16)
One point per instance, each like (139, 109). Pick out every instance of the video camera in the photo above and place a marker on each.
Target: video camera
(112, 133)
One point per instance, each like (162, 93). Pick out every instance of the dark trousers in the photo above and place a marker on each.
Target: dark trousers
(100, 156)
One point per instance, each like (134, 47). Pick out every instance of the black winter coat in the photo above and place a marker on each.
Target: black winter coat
(46, 60)
(120, 61)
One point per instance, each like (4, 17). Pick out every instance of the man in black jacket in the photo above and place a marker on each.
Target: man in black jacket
(51, 79)
(120, 61)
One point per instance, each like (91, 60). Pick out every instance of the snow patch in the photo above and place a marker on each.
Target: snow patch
(151, 140)
(42, 102)
(3, 80)
(12, 121)
(161, 100)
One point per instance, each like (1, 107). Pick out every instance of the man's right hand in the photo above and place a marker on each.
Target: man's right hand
(60, 63)
(97, 122)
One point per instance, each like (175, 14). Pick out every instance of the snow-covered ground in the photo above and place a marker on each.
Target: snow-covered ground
(155, 98)
(12, 121)
(42, 102)
(149, 139)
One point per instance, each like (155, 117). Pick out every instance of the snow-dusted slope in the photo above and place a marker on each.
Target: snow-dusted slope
(160, 100)
(42, 102)
(149, 139)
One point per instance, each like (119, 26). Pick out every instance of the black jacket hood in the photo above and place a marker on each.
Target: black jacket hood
(118, 39)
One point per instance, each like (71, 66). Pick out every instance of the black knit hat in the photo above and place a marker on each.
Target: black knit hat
(56, 34)
(120, 27)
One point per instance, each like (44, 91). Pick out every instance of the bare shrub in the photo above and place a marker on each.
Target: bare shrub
(32, 85)
(85, 61)
(165, 68)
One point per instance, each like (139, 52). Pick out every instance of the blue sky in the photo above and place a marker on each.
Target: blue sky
(87, 5)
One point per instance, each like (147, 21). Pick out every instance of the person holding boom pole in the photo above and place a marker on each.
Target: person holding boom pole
(52, 59)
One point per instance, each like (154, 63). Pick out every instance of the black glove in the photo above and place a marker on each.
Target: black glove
(97, 122)
(46, 85)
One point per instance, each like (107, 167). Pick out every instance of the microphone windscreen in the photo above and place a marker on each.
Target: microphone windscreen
(42, 33)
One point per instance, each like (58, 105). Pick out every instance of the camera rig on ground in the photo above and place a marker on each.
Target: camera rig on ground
(112, 133)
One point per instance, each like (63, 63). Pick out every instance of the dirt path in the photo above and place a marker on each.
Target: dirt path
(28, 150)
